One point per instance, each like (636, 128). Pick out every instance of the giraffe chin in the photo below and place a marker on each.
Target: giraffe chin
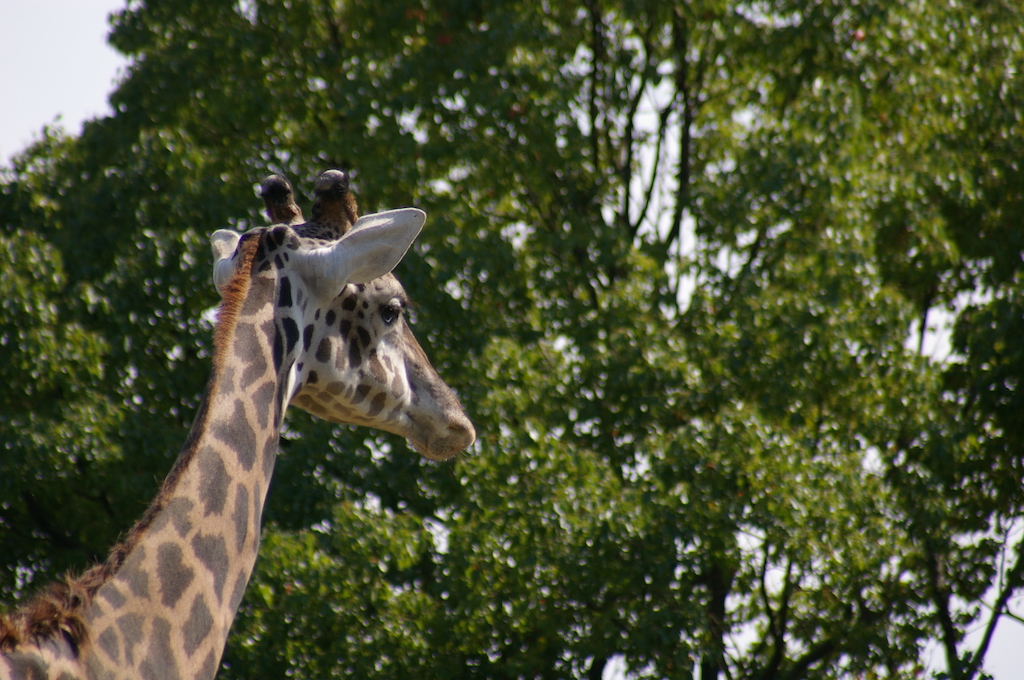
(435, 453)
(444, 448)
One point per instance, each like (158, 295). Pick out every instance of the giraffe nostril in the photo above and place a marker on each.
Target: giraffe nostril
(461, 432)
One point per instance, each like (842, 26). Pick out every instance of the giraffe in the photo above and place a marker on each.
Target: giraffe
(310, 315)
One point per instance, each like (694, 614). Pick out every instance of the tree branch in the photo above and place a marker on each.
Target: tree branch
(777, 620)
(718, 580)
(940, 598)
(748, 266)
(597, 55)
(1013, 582)
(690, 92)
(626, 172)
(663, 117)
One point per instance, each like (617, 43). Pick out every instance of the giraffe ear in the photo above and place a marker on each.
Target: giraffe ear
(377, 243)
(224, 243)
(370, 249)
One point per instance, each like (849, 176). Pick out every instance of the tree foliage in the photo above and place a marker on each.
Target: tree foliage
(679, 264)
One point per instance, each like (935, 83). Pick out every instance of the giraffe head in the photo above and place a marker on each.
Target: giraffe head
(344, 349)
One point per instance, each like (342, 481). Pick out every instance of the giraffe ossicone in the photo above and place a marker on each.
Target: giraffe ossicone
(310, 315)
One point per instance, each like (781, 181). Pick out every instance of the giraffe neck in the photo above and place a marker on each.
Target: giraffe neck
(167, 610)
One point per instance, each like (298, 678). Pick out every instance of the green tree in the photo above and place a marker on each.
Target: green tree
(678, 260)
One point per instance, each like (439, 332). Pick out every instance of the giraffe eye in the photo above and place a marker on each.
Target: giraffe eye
(390, 312)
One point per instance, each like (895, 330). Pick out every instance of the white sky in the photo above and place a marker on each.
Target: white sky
(57, 67)
(56, 62)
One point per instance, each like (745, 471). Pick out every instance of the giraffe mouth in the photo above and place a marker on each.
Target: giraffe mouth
(458, 436)
(425, 450)
(421, 449)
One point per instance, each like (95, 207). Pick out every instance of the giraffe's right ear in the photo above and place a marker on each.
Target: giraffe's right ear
(224, 243)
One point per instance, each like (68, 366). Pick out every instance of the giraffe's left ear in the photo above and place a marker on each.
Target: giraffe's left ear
(377, 243)
(371, 249)
(224, 243)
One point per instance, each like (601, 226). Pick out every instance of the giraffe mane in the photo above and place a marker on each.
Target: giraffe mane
(59, 609)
